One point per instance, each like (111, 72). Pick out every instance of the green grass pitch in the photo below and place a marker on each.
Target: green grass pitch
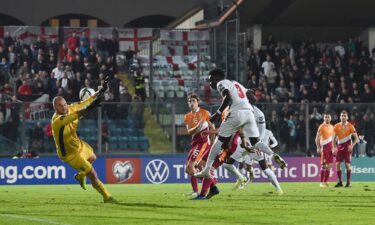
(302, 203)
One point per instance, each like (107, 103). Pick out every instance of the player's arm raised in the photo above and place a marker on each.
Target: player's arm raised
(92, 100)
(64, 120)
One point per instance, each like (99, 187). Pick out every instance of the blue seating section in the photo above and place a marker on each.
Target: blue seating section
(123, 136)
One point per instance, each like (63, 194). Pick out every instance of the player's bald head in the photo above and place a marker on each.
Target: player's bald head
(56, 99)
(59, 105)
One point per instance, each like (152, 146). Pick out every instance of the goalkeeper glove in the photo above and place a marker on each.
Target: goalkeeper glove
(104, 87)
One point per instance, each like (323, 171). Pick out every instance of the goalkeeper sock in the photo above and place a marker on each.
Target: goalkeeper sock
(99, 187)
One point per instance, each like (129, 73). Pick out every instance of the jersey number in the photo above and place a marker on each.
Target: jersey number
(239, 91)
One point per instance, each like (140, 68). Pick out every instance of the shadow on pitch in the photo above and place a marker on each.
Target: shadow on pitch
(147, 205)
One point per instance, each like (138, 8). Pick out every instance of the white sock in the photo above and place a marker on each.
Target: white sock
(215, 150)
(272, 177)
(264, 148)
(233, 170)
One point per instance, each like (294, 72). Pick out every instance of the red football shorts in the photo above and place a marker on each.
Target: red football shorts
(327, 155)
(343, 152)
(199, 152)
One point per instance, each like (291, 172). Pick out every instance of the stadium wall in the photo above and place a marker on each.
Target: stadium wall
(157, 170)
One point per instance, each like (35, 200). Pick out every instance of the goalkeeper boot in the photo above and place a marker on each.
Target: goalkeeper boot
(81, 180)
(110, 200)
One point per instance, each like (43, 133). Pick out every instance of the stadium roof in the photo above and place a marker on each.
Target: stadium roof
(343, 13)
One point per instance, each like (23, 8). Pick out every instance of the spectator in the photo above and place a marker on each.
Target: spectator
(253, 81)
(24, 91)
(140, 85)
(125, 99)
(368, 94)
(73, 42)
(58, 71)
(36, 136)
(39, 65)
(105, 136)
(129, 55)
(270, 73)
(281, 92)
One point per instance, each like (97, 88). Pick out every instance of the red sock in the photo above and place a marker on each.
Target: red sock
(348, 174)
(194, 183)
(339, 175)
(326, 175)
(322, 174)
(206, 185)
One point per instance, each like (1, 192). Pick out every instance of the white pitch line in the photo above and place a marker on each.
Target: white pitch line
(24, 217)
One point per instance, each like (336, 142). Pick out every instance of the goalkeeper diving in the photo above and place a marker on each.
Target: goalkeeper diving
(70, 148)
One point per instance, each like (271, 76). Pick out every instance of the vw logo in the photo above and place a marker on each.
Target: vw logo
(157, 171)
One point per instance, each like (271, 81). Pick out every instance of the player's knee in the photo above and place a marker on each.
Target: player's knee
(253, 140)
(263, 164)
(190, 170)
(201, 164)
(229, 160)
(92, 158)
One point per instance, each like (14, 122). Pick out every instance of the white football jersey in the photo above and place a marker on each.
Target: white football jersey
(268, 138)
(237, 93)
(261, 121)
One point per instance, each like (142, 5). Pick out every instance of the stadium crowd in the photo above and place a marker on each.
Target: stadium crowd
(317, 73)
(45, 67)
(294, 72)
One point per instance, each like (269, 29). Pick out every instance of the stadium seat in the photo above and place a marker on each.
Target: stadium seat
(133, 143)
(143, 143)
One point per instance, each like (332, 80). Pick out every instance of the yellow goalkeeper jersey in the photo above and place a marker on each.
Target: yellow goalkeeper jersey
(64, 129)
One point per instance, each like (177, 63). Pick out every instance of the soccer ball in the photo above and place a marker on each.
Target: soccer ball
(85, 93)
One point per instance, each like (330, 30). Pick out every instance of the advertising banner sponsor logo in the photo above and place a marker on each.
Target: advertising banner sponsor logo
(123, 170)
(48, 170)
(172, 170)
(162, 169)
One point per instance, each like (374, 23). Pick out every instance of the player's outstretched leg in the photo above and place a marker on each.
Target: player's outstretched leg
(241, 179)
(99, 187)
(215, 150)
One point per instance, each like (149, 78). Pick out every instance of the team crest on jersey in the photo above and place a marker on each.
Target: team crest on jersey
(123, 171)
